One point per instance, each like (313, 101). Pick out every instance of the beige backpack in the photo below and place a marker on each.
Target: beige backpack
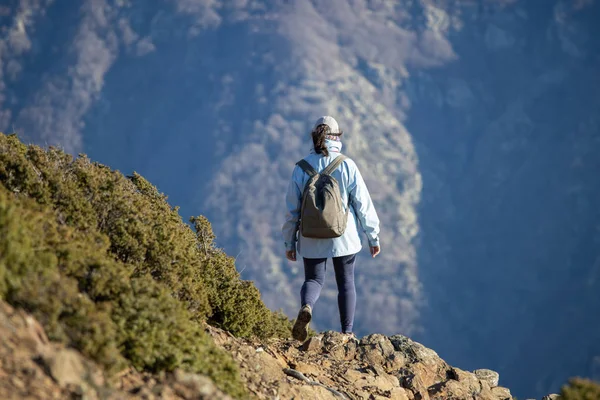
(322, 215)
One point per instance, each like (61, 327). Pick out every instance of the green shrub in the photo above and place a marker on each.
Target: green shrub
(580, 389)
(236, 305)
(143, 231)
(35, 253)
(82, 298)
(109, 267)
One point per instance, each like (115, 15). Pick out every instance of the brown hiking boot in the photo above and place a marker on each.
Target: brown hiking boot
(300, 329)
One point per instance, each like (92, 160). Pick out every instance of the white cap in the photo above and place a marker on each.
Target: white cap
(330, 122)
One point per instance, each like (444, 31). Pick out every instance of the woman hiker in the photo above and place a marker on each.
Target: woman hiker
(344, 243)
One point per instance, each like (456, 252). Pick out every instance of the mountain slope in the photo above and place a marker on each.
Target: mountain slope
(517, 146)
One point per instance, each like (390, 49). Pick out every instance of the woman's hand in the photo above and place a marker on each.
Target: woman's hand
(291, 255)
(374, 251)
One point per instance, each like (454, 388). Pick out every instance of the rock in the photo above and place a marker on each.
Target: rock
(163, 391)
(363, 395)
(313, 344)
(468, 380)
(372, 380)
(431, 371)
(308, 392)
(190, 385)
(414, 351)
(375, 378)
(501, 393)
(384, 382)
(395, 361)
(413, 383)
(399, 394)
(130, 380)
(338, 347)
(65, 367)
(491, 377)
(376, 349)
(353, 376)
(553, 396)
(309, 369)
(18, 383)
(28, 332)
(449, 389)
(485, 391)
(38, 341)
(144, 393)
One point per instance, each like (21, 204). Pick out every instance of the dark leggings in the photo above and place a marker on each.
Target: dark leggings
(314, 277)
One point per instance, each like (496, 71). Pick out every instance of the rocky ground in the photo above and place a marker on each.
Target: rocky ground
(324, 367)
(374, 367)
(32, 367)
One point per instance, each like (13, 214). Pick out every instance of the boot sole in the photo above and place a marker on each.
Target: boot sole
(300, 329)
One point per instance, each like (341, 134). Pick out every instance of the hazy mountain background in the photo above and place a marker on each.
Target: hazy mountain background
(475, 123)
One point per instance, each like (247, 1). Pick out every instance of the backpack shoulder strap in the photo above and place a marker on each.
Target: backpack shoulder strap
(334, 165)
(306, 167)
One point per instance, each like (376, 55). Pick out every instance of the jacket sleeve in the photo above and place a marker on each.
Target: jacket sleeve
(293, 200)
(363, 207)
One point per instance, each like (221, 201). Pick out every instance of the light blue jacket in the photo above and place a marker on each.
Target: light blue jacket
(352, 187)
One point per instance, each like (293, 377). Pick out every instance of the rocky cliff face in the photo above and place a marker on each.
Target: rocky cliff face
(515, 142)
(475, 124)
